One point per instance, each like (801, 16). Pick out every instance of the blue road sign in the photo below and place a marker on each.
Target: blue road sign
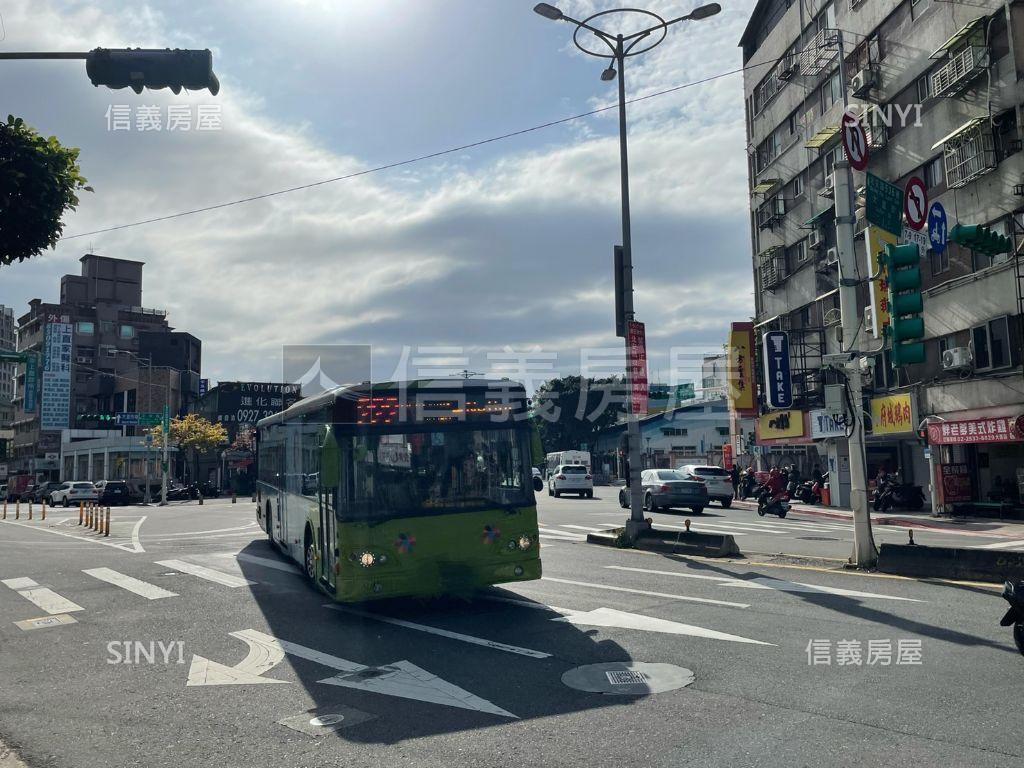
(777, 377)
(937, 227)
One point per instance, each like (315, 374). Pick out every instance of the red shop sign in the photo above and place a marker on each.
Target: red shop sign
(1002, 429)
(956, 483)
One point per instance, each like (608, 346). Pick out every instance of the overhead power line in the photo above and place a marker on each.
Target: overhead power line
(410, 161)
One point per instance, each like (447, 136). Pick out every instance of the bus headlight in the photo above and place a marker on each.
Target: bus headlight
(511, 545)
(367, 559)
(525, 542)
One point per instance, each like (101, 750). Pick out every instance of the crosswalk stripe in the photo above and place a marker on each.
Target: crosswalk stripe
(610, 588)
(45, 598)
(699, 527)
(564, 535)
(218, 577)
(590, 528)
(129, 583)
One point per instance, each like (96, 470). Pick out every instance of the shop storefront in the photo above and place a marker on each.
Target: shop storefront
(979, 458)
(891, 446)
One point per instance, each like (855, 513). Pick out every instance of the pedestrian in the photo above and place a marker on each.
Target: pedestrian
(734, 475)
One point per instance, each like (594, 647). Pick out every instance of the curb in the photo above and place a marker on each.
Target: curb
(673, 542)
(950, 563)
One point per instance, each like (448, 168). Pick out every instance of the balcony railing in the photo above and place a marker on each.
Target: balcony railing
(959, 72)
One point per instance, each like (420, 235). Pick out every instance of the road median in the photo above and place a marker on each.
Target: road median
(671, 542)
(956, 563)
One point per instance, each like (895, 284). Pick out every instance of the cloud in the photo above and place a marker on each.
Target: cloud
(511, 251)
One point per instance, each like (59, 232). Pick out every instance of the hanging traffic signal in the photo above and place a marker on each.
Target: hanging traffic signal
(922, 436)
(905, 304)
(153, 68)
(97, 417)
(980, 239)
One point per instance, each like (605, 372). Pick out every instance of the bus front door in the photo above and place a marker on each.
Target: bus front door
(328, 537)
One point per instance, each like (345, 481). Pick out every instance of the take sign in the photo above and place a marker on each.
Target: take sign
(855, 141)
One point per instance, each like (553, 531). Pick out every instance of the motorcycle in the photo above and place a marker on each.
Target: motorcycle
(1014, 595)
(749, 487)
(768, 505)
(809, 492)
(892, 493)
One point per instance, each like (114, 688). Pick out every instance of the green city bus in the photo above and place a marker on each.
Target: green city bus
(417, 488)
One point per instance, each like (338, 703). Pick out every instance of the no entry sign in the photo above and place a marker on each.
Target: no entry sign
(855, 141)
(915, 203)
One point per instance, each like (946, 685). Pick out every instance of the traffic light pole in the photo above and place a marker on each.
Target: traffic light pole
(865, 554)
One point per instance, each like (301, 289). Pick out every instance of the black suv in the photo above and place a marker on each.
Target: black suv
(114, 492)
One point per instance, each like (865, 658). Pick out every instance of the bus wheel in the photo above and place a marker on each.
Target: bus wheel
(310, 558)
(269, 520)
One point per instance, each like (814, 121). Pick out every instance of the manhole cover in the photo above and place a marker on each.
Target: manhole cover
(816, 538)
(628, 678)
(325, 723)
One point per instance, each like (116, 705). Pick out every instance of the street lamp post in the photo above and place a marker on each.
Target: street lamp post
(620, 47)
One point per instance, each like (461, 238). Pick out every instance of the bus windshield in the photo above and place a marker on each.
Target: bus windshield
(399, 474)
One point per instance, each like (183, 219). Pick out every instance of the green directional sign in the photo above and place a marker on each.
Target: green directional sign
(884, 205)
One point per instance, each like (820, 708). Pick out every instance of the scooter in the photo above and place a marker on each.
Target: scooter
(809, 492)
(901, 495)
(1014, 595)
(748, 487)
(768, 505)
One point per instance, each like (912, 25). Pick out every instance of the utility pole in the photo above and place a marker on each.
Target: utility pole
(865, 554)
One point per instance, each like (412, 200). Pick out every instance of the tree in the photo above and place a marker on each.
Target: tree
(38, 182)
(194, 435)
(570, 411)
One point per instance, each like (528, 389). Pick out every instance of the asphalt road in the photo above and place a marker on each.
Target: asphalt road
(245, 655)
(800, 533)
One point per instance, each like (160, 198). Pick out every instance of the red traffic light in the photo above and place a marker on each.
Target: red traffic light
(153, 68)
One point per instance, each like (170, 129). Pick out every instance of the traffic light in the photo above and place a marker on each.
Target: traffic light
(97, 417)
(922, 436)
(905, 304)
(153, 68)
(980, 239)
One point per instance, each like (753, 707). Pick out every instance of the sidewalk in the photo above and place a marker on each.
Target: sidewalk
(982, 525)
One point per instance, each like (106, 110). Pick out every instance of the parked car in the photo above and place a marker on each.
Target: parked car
(72, 493)
(178, 492)
(26, 493)
(717, 480)
(571, 478)
(668, 488)
(43, 490)
(114, 492)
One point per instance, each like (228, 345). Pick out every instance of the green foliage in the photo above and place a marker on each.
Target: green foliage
(38, 182)
(570, 411)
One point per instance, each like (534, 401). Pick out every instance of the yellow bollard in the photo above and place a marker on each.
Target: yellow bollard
(106, 525)
(17, 510)
(96, 515)
(234, 497)
(81, 513)
(5, 509)
(30, 509)
(89, 515)
(44, 509)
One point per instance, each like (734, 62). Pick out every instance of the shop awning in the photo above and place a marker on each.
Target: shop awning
(817, 217)
(765, 186)
(962, 34)
(822, 137)
(962, 129)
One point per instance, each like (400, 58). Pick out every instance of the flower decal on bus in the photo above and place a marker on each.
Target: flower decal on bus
(491, 534)
(404, 543)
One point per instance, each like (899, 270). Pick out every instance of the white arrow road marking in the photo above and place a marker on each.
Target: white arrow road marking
(494, 644)
(262, 657)
(609, 617)
(209, 574)
(402, 678)
(645, 592)
(45, 598)
(139, 587)
(766, 582)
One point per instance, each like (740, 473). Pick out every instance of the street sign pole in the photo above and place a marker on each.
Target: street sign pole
(865, 554)
(165, 428)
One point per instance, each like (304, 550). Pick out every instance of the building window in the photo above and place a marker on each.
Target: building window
(805, 316)
(796, 255)
(793, 122)
(946, 343)
(831, 91)
(883, 372)
(924, 88)
(917, 7)
(85, 328)
(798, 185)
(991, 344)
(940, 261)
(127, 332)
(934, 172)
(826, 19)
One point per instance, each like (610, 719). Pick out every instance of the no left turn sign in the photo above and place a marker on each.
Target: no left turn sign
(855, 142)
(915, 203)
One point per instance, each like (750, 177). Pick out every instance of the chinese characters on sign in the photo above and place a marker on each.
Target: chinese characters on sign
(850, 653)
(740, 369)
(884, 204)
(891, 414)
(875, 239)
(997, 430)
(31, 382)
(636, 366)
(55, 406)
(248, 402)
(177, 117)
(956, 483)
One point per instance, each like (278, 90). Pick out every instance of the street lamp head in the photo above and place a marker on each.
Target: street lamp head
(548, 11)
(704, 11)
(608, 74)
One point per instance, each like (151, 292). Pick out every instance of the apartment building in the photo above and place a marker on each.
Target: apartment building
(940, 87)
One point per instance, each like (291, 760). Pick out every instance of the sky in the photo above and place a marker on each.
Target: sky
(494, 258)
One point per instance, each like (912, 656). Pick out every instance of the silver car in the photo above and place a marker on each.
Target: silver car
(717, 480)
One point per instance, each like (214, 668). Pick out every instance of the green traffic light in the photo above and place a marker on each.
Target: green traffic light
(905, 304)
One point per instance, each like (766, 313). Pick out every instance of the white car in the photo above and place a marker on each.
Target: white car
(717, 480)
(72, 493)
(571, 478)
